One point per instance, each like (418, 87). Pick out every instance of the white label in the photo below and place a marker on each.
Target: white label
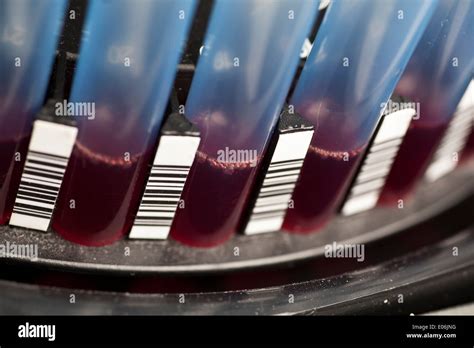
(48, 155)
(171, 166)
(454, 140)
(365, 191)
(279, 182)
(467, 101)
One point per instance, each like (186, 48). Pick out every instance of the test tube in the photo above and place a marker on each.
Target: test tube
(29, 32)
(436, 78)
(127, 63)
(250, 56)
(359, 54)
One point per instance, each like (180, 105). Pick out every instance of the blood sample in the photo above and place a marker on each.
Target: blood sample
(29, 31)
(359, 54)
(250, 55)
(436, 78)
(126, 66)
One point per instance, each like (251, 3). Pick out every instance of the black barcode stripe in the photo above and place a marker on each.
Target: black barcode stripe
(267, 187)
(264, 216)
(376, 167)
(278, 184)
(452, 143)
(42, 174)
(289, 172)
(34, 207)
(33, 213)
(368, 186)
(149, 201)
(36, 180)
(162, 183)
(46, 155)
(39, 198)
(157, 223)
(51, 165)
(378, 156)
(37, 190)
(28, 208)
(37, 193)
(164, 195)
(272, 168)
(270, 206)
(168, 171)
(160, 175)
(183, 167)
(39, 187)
(164, 190)
(167, 183)
(159, 203)
(169, 196)
(368, 176)
(157, 198)
(379, 171)
(277, 193)
(288, 175)
(283, 180)
(284, 170)
(161, 209)
(276, 189)
(278, 163)
(455, 136)
(390, 143)
(155, 216)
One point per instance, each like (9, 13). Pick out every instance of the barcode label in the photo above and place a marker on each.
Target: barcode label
(447, 155)
(371, 177)
(46, 161)
(171, 166)
(277, 188)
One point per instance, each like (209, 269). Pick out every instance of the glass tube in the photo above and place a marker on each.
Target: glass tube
(436, 78)
(249, 58)
(29, 31)
(359, 54)
(127, 63)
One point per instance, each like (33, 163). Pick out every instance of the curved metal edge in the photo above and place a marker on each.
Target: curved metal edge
(333, 295)
(254, 251)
